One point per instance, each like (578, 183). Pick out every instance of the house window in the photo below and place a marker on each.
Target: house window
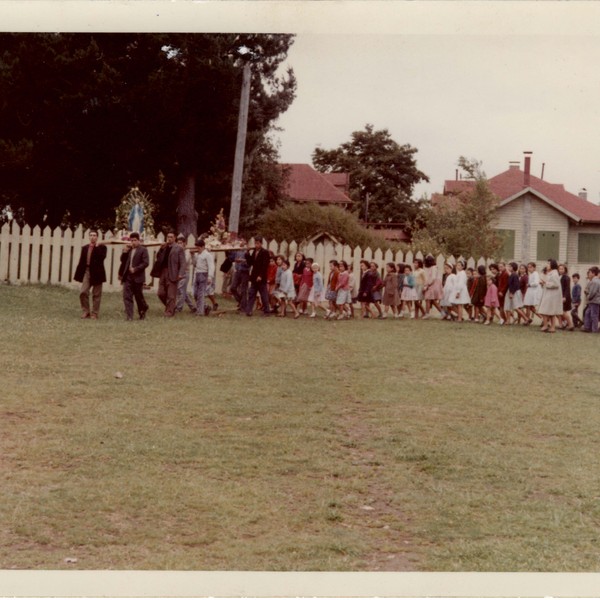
(507, 250)
(547, 245)
(588, 248)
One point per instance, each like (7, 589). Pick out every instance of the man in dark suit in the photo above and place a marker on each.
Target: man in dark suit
(258, 260)
(132, 273)
(91, 274)
(169, 267)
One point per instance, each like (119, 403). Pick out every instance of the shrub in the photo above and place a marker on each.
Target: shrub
(297, 222)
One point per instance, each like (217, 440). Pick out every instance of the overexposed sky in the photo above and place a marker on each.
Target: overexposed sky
(484, 79)
(489, 97)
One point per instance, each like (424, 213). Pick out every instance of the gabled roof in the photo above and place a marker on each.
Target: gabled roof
(510, 185)
(340, 180)
(304, 184)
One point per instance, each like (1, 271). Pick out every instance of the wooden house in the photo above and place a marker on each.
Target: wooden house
(539, 220)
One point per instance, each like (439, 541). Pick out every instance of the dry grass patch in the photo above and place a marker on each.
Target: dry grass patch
(268, 444)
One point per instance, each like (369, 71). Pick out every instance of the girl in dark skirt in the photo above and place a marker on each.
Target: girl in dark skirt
(478, 295)
(565, 284)
(365, 290)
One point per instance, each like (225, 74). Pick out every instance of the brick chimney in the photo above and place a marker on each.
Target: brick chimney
(514, 165)
(527, 168)
(583, 194)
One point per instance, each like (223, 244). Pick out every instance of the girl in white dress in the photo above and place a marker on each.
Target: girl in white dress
(419, 274)
(551, 304)
(409, 293)
(461, 292)
(449, 291)
(533, 293)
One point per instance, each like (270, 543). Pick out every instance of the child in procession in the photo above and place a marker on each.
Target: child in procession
(409, 294)
(331, 292)
(377, 287)
(343, 298)
(513, 301)
(449, 291)
(286, 293)
(461, 293)
(390, 287)
(576, 301)
(317, 292)
(491, 301)
(419, 274)
(478, 295)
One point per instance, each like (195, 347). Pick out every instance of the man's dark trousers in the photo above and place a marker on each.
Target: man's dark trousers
(132, 290)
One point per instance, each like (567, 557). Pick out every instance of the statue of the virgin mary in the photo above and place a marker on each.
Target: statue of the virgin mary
(136, 218)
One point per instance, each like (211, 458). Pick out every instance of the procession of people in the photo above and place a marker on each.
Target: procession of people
(505, 293)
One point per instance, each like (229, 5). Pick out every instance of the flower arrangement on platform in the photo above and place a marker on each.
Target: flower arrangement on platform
(219, 237)
(134, 213)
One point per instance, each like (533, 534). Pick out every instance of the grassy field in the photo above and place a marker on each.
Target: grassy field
(272, 444)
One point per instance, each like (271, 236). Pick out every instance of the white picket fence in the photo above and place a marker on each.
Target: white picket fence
(50, 256)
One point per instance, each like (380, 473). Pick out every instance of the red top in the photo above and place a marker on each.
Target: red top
(502, 283)
(307, 277)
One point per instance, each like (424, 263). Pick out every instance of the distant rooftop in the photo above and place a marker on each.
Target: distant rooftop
(305, 184)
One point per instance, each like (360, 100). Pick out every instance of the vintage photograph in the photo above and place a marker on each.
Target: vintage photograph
(300, 287)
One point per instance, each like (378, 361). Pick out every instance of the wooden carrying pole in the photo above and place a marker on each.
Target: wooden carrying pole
(240, 147)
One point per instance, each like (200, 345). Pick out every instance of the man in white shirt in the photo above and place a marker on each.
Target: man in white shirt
(205, 275)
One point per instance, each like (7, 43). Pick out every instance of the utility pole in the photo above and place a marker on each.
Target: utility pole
(240, 147)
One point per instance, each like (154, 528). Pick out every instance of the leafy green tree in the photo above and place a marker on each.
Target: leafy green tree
(461, 225)
(84, 117)
(264, 186)
(382, 173)
(296, 222)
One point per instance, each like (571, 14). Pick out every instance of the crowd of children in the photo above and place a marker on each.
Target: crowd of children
(511, 293)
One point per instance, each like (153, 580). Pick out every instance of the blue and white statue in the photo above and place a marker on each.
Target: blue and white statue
(136, 218)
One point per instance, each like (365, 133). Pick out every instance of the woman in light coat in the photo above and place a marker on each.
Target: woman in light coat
(551, 304)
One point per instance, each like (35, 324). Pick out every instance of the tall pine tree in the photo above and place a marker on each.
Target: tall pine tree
(83, 117)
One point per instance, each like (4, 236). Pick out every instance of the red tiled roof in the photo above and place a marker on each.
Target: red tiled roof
(457, 186)
(511, 182)
(340, 180)
(304, 184)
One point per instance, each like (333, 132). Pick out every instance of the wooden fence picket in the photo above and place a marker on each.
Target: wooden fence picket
(55, 250)
(5, 243)
(355, 264)
(319, 255)
(13, 267)
(309, 250)
(25, 254)
(67, 257)
(46, 255)
(36, 254)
